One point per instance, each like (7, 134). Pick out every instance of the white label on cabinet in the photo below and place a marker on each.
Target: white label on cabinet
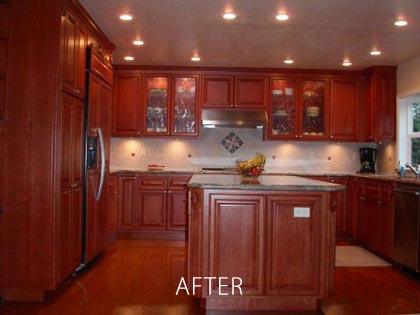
(302, 212)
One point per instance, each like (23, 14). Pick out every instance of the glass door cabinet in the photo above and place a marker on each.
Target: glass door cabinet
(283, 111)
(157, 105)
(184, 106)
(314, 108)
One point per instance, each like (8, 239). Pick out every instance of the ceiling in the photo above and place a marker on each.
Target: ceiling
(318, 34)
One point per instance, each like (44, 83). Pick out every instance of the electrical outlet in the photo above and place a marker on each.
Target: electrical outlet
(302, 212)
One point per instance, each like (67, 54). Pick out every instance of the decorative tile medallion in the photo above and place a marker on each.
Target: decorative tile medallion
(232, 142)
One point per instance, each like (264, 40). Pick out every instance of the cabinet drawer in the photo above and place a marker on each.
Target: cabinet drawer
(372, 190)
(152, 183)
(178, 182)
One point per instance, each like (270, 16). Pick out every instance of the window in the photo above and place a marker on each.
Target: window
(413, 139)
(409, 129)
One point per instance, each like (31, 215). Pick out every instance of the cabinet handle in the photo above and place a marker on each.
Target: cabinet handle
(74, 185)
(77, 91)
(231, 106)
(296, 136)
(178, 183)
(300, 136)
(152, 183)
(236, 105)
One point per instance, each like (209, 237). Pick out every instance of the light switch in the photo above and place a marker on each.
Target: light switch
(302, 212)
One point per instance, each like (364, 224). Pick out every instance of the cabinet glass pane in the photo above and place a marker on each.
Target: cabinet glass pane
(283, 104)
(185, 105)
(157, 105)
(314, 108)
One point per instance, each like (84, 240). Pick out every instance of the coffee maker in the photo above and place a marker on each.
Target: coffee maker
(367, 160)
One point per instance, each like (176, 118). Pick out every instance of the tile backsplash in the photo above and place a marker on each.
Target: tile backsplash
(209, 150)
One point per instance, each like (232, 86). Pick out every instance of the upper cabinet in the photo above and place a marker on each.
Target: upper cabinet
(4, 38)
(346, 108)
(184, 111)
(301, 105)
(250, 92)
(229, 92)
(155, 105)
(283, 113)
(217, 91)
(381, 104)
(156, 110)
(75, 41)
(314, 110)
(126, 111)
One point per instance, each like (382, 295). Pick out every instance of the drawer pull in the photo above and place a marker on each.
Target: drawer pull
(152, 183)
(178, 183)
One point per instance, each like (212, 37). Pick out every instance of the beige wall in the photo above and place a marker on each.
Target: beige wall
(316, 157)
(408, 77)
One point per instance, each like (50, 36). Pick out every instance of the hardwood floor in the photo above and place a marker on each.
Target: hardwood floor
(140, 278)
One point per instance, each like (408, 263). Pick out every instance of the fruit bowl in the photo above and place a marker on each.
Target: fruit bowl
(252, 167)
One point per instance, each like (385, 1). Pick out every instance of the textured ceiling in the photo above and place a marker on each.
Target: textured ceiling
(318, 34)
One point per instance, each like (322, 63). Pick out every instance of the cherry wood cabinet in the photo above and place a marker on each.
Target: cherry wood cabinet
(381, 104)
(156, 105)
(302, 239)
(217, 91)
(250, 92)
(126, 109)
(72, 123)
(375, 215)
(346, 108)
(75, 41)
(152, 206)
(283, 111)
(236, 220)
(256, 235)
(127, 202)
(152, 210)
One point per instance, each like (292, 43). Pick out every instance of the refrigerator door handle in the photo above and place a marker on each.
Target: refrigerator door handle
(103, 159)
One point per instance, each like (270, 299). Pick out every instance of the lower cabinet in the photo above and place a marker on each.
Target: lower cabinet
(152, 206)
(303, 246)
(375, 209)
(151, 210)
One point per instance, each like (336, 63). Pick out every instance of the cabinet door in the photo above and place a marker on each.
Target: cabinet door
(69, 26)
(283, 115)
(344, 109)
(387, 220)
(71, 184)
(127, 202)
(386, 107)
(177, 210)
(126, 111)
(372, 223)
(341, 207)
(217, 91)
(250, 92)
(234, 252)
(80, 60)
(314, 112)
(302, 238)
(152, 210)
(185, 111)
(75, 41)
(156, 112)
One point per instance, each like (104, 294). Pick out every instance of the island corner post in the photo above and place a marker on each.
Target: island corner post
(279, 238)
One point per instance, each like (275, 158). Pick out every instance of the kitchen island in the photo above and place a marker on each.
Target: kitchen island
(276, 234)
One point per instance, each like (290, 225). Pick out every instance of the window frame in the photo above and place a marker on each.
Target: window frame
(411, 134)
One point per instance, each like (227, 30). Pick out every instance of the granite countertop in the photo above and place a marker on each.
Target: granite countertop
(386, 177)
(264, 182)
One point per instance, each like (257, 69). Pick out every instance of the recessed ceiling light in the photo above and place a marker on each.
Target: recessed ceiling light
(400, 22)
(195, 58)
(128, 58)
(229, 16)
(288, 61)
(126, 17)
(138, 42)
(375, 52)
(346, 62)
(282, 17)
